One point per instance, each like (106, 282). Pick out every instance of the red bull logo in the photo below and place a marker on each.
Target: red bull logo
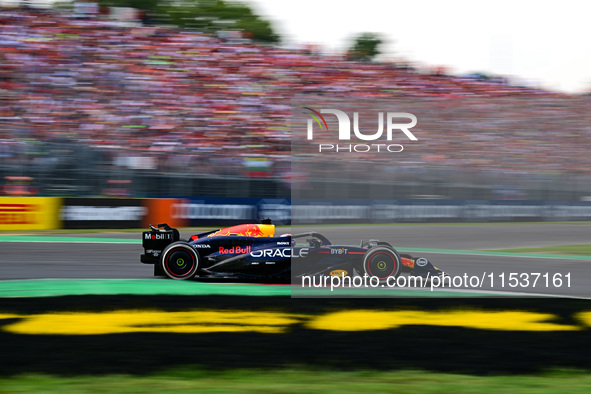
(234, 250)
(247, 230)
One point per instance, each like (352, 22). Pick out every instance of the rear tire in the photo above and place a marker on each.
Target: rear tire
(179, 261)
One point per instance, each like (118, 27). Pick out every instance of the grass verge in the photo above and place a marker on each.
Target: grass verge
(300, 380)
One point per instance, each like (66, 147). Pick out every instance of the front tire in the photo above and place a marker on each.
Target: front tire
(179, 261)
(382, 263)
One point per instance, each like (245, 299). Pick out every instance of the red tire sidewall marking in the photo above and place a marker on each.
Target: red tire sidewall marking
(170, 252)
(376, 254)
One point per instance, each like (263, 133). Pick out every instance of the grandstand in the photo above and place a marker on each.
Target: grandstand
(175, 112)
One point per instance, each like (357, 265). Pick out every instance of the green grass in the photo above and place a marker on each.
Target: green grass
(577, 250)
(301, 380)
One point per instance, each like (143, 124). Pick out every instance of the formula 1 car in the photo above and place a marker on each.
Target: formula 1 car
(253, 252)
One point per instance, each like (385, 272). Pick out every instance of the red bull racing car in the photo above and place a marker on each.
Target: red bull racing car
(254, 252)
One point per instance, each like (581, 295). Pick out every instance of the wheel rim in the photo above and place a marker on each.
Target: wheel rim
(180, 262)
(381, 265)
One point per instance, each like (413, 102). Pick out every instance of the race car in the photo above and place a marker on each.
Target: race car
(254, 252)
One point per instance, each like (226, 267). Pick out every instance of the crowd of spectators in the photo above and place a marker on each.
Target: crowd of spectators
(138, 93)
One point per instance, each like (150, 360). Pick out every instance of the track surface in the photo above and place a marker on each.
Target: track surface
(91, 260)
(118, 332)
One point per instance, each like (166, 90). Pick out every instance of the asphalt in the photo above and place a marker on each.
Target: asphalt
(20, 260)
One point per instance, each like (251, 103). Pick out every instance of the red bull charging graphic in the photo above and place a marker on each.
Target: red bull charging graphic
(247, 230)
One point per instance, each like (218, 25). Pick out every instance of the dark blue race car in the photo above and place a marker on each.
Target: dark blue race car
(253, 252)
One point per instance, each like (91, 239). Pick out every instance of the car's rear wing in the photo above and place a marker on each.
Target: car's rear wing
(155, 240)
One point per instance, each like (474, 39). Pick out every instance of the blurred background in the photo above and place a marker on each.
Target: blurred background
(116, 114)
(157, 98)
